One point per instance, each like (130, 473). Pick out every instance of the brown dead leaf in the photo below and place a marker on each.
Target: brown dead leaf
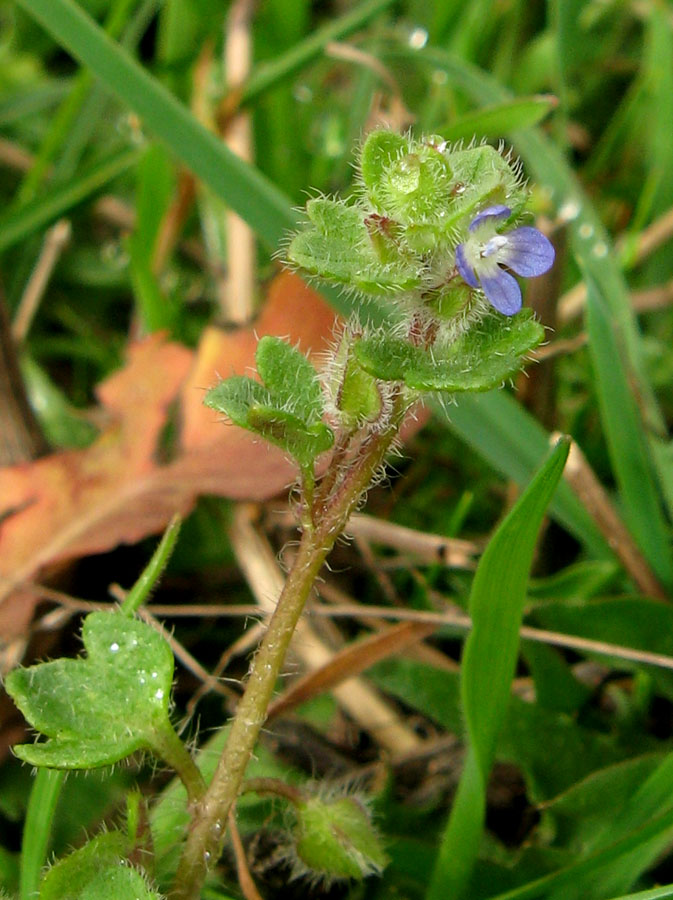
(78, 502)
(351, 661)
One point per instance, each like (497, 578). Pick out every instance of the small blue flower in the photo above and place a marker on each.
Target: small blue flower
(526, 251)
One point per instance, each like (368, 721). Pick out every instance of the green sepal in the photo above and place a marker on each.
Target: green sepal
(101, 708)
(380, 151)
(336, 839)
(337, 245)
(97, 871)
(287, 410)
(483, 177)
(406, 179)
(478, 360)
(360, 398)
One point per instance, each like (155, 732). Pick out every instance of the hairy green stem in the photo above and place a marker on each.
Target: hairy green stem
(168, 746)
(206, 836)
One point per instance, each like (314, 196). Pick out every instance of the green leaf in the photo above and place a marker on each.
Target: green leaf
(625, 435)
(275, 412)
(500, 118)
(634, 622)
(259, 202)
(477, 361)
(97, 871)
(337, 245)
(16, 225)
(235, 396)
(488, 664)
(269, 73)
(660, 893)
(290, 377)
(101, 708)
(155, 190)
(407, 179)
(302, 441)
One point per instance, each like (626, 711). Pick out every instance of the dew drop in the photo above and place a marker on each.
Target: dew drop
(405, 175)
(216, 829)
(206, 856)
(155, 674)
(569, 211)
(586, 230)
(114, 647)
(600, 249)
(439, 77)
(159, 694)
(303, 93)
(418, 38)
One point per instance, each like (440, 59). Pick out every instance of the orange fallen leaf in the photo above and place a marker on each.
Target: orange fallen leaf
(77, 502)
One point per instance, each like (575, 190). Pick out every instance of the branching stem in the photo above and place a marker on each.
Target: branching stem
(205, 840)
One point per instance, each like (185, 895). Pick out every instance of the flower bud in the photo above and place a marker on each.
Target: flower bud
(334, 839)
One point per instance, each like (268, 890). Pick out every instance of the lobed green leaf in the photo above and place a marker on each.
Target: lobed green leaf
(478, 360)
(290, 377)
(97, 871)
(339, 247)
(99, 709)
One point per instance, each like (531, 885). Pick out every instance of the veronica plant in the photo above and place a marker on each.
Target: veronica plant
(433, 235)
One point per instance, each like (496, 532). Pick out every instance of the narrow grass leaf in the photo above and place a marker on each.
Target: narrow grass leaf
(659, 893)
(623, 429)
(260, 203)
(44, 794)
(150, 575)
(269, 74)
(512, 440)
(489, 660)
(500, 118)
(16, 226)
(63, 120)
(542, 887)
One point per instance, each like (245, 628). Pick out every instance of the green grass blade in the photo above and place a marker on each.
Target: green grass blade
(42, 803)
(512, 441)
(501, 118)
(623, 429)
(62, 121)
(268, 74)
(259, 202)
(655, 795)
(487, 669)
(660, 893)
(16, 225)
(541, 887)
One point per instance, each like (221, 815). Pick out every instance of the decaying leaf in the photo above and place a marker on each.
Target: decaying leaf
(118, 490)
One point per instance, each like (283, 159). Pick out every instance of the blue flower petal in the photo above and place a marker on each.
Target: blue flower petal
(527, 252)
(465, 269)
(492, 212)
(503, 292)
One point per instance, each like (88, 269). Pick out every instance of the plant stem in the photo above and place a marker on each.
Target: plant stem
(168, 746)
(206, 836)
